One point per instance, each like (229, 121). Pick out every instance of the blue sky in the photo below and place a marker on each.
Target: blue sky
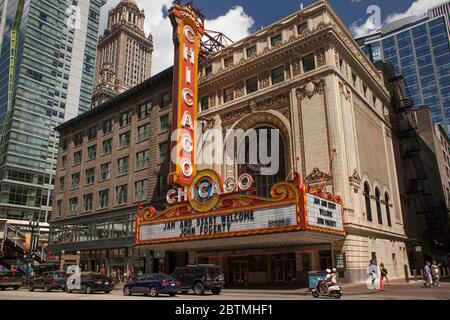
(239, 18)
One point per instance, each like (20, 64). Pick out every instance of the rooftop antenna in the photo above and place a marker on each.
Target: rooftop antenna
(301, 6)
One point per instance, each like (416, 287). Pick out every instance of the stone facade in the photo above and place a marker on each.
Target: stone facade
(124, 56)
(328, 102)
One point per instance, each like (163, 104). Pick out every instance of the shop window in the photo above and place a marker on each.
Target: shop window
(378, 202)
(326, 260)
(367, 201)
(309, 63)
(284, 268)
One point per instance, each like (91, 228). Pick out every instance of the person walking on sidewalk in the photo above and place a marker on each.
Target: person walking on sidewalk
(435, 272)
(384, 273)
(372, 271)
(427, 274)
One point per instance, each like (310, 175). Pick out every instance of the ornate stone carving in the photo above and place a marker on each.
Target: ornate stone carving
(286, 111)
(296, 67)
(265, 79)
(320, 54)
(287, 68)
(207, 124)
(310, 89)
(212, 100)
(317, 176)
(235, 114)
(239, 89)
(345, 91)
(355, 179)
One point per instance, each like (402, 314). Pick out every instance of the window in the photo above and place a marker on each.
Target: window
(208, 70)
(141, 190)
(125, 119)
(63, 162)
(162, 185)
(278, 75)
(92, 133)
(252, 85)
(58, 208)
(378, 202)
(92, 152)
(302, 27)
(374, 102)
(75, 180)
(142, 160)
(64, 144)
(228, 61)
(165, 100)
(87, 202)
(164, 123)
(228, 94)
(143, 132)
(73, 208)
(144, 110)
(204, 103)
(78, 138)
(388, 211)
(341, 64)
(163, 152)
(89, 176)
(103, 197)
(124, 140)
(105, 171)
(121, 195)
(122, 166)
(309, 63)
(251, 51)
(61, 184)
(275, 40)
(107, 126)
(365, 91)
(367, 201)
(107, 146)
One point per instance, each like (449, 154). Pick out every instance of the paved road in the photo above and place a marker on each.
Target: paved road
(413, 291)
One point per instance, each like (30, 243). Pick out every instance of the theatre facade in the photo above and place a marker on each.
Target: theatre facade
(334, 200)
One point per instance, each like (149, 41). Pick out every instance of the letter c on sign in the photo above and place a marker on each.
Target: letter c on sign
(170, 199)
(186, 143)
(188, 97)
(189, 33)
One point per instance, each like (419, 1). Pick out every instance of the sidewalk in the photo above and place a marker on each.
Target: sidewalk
(349, 289)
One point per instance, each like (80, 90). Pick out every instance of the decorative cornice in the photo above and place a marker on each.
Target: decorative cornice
(317, 176)
(355, 178)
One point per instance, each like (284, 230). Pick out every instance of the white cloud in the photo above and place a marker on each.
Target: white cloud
(236, 24)
(418, 8)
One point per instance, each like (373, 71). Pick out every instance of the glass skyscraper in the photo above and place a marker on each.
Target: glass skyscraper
(420, 50)
(47, 66)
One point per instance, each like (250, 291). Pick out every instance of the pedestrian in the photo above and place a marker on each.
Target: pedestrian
(120, 274)
(372, 271)
(435, 271)
(427, 274)
(384, 273)
(103, 270)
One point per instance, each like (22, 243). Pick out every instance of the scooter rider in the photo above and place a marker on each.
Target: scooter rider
(331, 278)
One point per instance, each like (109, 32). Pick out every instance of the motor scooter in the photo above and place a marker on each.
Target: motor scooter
(321, 290)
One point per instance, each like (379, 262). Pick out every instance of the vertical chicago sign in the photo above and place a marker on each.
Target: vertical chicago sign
(188, 26)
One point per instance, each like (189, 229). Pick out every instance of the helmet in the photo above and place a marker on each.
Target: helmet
(328, 271)
(334, 270)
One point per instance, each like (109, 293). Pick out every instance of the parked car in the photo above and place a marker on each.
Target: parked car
(200, 278)
(93, 282)
(49, 281)
(152, 284)
(10, 280)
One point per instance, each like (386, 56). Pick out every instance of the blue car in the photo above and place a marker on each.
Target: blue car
(152, 284)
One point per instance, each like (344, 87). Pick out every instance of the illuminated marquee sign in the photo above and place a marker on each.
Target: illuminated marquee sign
(188, 28)
(290, 208)
(222, 224)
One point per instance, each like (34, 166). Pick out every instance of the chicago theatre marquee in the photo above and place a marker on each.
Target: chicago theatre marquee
(334, 200)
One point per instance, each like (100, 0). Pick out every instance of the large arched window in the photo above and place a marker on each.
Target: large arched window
(263, 182)
(378, 200)
(388, 212)
(367, 200)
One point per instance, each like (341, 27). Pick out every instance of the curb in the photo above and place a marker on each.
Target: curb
(303, 293)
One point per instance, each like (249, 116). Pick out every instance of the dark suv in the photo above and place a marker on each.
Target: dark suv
(49, 281)
(200, 278)
(10, 280)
